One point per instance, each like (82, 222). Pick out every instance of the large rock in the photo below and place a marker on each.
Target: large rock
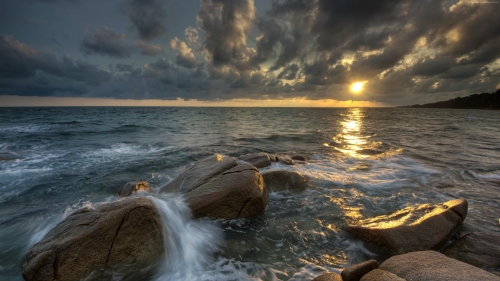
(431, 266)
(218, 187)
(478, 249)
(259, 160)
(380, 275)
(328, 277)
(355, 272)
(122, 238)
(282, 180)
(133, 187)
(424, 227)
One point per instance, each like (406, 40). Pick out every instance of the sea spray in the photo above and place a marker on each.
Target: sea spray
(189, 244)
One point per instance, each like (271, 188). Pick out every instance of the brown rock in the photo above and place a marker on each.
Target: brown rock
(355, 272)
(478, 249)
(218, 187)
(328, 277)
(283, 180)
(200, 173)
(299, 158)
(123, 237)
(381, 275)
(431, 265)
(259, 160)
(424, 227)
(283, 159)
(133, 187)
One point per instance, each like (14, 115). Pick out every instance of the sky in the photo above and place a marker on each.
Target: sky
(246, 52)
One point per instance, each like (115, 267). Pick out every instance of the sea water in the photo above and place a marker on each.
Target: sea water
(362, 162)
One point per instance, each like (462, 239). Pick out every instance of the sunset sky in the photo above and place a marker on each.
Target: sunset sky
(246, 52)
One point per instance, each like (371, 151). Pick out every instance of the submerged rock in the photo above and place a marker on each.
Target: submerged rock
(478, 249)
(120, 238)
(133, 187)
(283, 180)
(259, 160)
(328, 277)
(217, 187)
(424, 227)
(355, 272)
(299, 157)
(431, 265)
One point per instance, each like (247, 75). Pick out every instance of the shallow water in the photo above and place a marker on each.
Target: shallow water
(362, 163)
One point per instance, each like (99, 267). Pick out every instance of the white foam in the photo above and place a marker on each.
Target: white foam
(189, 244)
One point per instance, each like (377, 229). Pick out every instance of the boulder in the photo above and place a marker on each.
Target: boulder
(478, 249)
(328, 277)
(119, 238)
(380, 275)
(224, 190)
(282, 180)
(424, 227)
(431, 265)
(259, 160)
(355, 272)
(283, 159)
(133, 187)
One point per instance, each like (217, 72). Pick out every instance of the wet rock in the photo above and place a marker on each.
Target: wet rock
(431, 265)
(381, 275)
(119, 238)
(355, 272)
(299, 157)
(259, 160)
(282, 180)
(218, 187)
(478, 249)
(133, 187)
(328, 277)
(283, 159)
(4, 158)
(424, 227)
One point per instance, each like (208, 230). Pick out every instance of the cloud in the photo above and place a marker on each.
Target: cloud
(185, 56)
(226, 24)
(27, 71)
(148, 49)
(105, 41)
(147, 16)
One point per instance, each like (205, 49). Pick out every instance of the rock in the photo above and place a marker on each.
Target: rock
(259, 160)
(283, 159)
(478, 249)
(328, 277)
(222, 189)
(200, 173)
(283, 180)
(299, 158)
(133, 187)
(431, 265)
(381, 275)
(355, 272)
(123, 238)
(4, 158)
(424, 227)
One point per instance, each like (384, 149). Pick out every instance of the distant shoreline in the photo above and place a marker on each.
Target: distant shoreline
(489, 101)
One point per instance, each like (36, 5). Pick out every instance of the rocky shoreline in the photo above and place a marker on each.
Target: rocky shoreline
(124, 239)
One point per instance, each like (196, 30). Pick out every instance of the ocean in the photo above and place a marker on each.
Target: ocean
(362, 162)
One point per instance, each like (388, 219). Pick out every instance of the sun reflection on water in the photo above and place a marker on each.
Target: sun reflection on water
(351, 137)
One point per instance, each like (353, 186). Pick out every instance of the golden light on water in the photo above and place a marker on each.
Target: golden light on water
(357, 87)
(351, 137)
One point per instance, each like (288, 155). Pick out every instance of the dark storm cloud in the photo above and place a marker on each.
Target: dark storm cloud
(22, 67)
(147, 16)
(226, 24)
(106, 41)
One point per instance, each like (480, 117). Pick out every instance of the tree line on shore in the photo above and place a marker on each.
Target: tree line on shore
(476, 101)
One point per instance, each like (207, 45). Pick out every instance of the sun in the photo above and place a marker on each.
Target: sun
(357, 87)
